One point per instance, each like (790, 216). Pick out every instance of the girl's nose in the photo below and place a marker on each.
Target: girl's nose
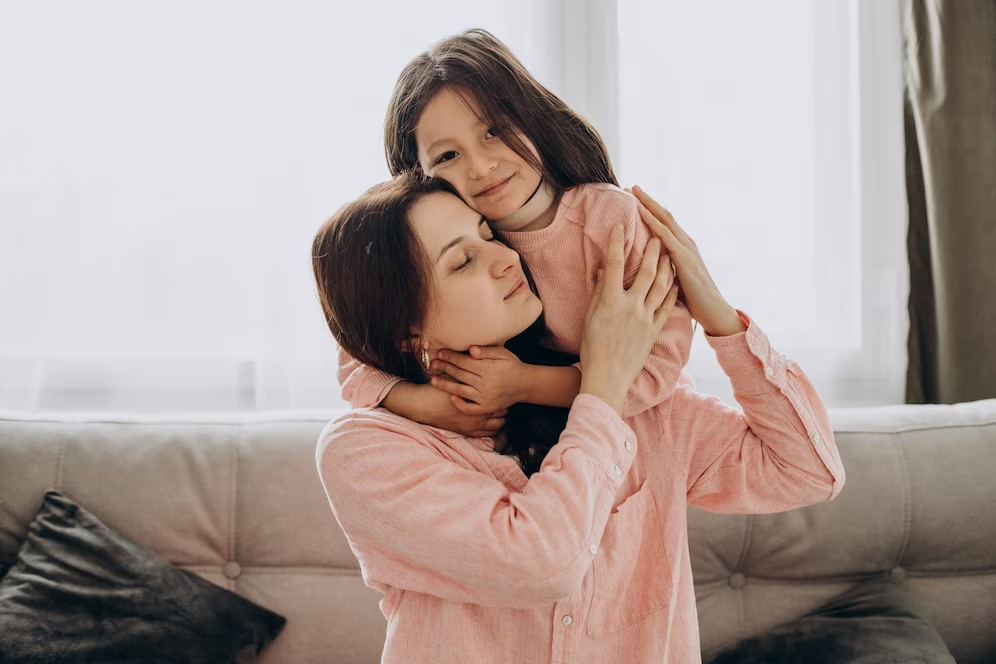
(480, 164)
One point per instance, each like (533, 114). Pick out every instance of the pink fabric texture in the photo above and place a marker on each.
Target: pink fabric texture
(587, 560)
(564, 259)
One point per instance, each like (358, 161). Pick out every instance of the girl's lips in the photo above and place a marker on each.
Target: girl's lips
(497, 189)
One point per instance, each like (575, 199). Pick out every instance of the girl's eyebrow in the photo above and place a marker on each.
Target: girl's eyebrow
(455, 241)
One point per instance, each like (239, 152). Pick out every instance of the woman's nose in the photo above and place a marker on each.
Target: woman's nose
(504, 259)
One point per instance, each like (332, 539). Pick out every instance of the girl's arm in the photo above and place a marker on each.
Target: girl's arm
(366, 387)
(776, 455)
(420, 521)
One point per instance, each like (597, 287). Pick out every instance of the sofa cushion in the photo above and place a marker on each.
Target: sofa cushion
(79, 591)
(870, 623)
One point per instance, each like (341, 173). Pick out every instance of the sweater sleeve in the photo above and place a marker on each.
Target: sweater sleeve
(420, 521)
(662, 373)
(362, 385)
(776, 455)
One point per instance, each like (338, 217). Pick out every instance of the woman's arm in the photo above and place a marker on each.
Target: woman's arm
(419, 521)
(776, 455)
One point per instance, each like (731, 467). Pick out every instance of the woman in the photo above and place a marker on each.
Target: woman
(585, 560)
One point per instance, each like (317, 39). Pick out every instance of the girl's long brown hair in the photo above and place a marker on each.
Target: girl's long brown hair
(475, 62)
(374, 285)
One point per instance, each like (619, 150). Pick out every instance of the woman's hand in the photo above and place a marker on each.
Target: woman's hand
(622, 325)
(490, 378)
(700, 294)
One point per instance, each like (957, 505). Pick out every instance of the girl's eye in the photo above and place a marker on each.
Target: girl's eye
(491, 132)
(446, 156)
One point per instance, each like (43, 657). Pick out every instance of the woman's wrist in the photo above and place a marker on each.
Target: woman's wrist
(607, 387)
(729, 323)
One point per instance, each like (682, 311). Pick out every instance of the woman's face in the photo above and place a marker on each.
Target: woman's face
(456, 145)
(480, 295)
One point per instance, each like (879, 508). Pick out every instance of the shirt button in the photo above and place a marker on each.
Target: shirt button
(816, 438)
(618, 471)
(593, 549)
(568, 620)
(769, 371)
(629, 446)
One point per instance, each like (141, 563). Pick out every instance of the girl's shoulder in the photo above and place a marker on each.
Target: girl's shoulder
(599, 206)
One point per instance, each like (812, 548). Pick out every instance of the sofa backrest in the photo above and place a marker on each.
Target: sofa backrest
(237, 500)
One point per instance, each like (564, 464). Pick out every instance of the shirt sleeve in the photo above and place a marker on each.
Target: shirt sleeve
(778, 454)
(362, 385)
(420, 521)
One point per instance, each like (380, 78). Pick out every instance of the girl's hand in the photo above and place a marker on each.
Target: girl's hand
(435, 408)
(490, 378)
(622, 325)
(701, 296)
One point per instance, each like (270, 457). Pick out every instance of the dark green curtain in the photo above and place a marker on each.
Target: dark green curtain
(949, 53)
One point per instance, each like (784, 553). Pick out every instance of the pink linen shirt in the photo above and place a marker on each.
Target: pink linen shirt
(564, 259)
(587, 560)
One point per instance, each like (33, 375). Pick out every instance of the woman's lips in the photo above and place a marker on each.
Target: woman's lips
(496, 189)
(518, 290)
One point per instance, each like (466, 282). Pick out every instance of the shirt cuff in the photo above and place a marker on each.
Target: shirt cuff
(753, 366)
(594, 420)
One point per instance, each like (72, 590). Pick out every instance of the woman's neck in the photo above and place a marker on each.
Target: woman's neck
(537, 213)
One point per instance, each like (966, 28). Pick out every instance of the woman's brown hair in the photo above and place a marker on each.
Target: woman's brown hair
(374, 285)
(475, 62)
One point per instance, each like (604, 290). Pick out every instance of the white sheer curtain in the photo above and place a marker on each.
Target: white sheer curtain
(772, 130)
(164, 167)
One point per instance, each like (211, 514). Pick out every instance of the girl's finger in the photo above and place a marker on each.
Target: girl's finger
(660, 213)
(488, 352)
(455, 388)
(615, 262)
(453, 371)
(667, 306)
(465, 362)
(468, 407)
(648, 268)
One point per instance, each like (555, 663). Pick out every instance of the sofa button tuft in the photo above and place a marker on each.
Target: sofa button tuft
(231, 570)
(737, 581)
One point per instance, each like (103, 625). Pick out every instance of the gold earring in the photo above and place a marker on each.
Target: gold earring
(425, 358)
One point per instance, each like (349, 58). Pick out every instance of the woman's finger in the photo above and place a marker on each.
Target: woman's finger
(662, 284)
(660, 213)
(671, 243)
(615, 262)
(667, 306)
(453, 371)
(454, 388)
(648, 268)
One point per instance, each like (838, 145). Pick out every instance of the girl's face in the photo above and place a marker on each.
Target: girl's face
(480, 295)
(455, 144)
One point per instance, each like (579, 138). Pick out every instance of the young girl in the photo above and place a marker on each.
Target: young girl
(585, 560)
(469, 113)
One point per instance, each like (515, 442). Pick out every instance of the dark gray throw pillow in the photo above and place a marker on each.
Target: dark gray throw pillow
(871, 623)
(80, 592)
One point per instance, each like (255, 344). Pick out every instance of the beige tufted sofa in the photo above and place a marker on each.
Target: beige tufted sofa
(237, 500)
